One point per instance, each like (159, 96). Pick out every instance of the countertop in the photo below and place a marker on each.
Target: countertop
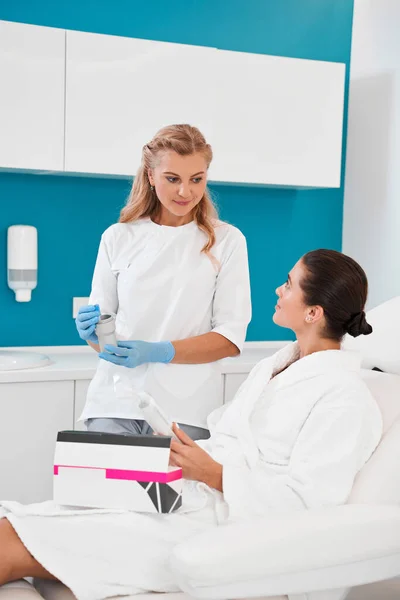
(79, 362)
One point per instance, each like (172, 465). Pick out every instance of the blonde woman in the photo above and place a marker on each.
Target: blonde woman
(177, 280)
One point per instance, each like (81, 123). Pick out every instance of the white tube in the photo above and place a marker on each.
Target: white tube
(154, 416)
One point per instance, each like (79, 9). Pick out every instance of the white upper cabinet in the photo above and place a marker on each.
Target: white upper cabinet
(32, 65)
(270, 120)
(87, 103)
(280, 120)
(120, 91)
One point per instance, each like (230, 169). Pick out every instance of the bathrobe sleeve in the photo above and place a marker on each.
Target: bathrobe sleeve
(232, 303)
(104, 283)
(338, 437)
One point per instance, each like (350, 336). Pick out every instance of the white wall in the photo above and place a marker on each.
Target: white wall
(371, 220)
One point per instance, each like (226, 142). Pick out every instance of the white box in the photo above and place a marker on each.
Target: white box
(103, 470)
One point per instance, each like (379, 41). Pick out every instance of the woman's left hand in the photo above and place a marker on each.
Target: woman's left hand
(195, 462)
(136, 353)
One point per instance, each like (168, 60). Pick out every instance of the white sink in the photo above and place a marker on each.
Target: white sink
(11, 360)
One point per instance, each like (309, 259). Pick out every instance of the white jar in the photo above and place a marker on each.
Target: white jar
(105, 330)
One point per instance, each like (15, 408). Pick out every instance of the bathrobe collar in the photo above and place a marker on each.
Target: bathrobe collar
(308, 367)
(313, 364)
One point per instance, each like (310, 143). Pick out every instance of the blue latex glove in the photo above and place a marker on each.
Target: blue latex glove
(86, 321)
(133, 354)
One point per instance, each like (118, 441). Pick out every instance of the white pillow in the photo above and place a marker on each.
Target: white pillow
(382, 347)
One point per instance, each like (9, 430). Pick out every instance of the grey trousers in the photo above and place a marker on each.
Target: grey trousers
(139, 427)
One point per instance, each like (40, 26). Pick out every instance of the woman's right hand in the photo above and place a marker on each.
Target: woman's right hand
(195, 462)
(85, 322)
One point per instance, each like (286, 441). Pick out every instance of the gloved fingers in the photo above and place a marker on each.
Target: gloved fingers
(116, 360)
(88, 333)
(86, 313)
(126, 344)
(88, 323)
(89, 308)
(86, 317)
(117, 350)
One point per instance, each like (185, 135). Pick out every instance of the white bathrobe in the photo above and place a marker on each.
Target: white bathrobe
(289, 442)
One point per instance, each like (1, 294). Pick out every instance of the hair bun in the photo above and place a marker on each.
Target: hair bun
(357, 325)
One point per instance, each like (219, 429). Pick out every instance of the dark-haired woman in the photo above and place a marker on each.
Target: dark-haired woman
(293, 438)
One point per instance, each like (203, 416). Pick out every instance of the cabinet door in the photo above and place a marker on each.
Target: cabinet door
(31, 414)
(233, 381)
(120, 91)
(280, 120)
(81, 388)
(32, 75)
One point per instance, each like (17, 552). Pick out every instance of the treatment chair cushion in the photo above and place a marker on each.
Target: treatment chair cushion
(378, 482)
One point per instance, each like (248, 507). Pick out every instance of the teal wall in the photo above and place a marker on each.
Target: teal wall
(71, 212)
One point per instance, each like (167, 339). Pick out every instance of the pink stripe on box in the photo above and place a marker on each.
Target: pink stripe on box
(146, 476)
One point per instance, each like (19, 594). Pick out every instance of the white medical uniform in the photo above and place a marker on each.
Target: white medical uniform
(288, 443)
(162, 287)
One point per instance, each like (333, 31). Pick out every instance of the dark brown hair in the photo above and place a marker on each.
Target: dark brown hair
(339, 285)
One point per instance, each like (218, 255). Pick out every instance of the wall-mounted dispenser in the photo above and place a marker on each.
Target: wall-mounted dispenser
(22, 258)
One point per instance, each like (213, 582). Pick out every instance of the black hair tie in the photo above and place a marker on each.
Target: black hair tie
(358, 325)
(355, 320)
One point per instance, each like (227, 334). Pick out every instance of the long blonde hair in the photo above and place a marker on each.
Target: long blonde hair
(142, 200)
